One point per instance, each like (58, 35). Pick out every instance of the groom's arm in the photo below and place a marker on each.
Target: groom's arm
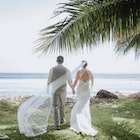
(69, 78)
(50, 77)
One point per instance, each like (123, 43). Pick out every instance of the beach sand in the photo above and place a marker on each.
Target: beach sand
(14, 99)
(70, 101)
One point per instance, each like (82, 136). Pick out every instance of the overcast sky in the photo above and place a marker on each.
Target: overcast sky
(20, 23)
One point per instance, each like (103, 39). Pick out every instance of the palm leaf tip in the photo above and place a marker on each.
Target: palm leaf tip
(131, 43)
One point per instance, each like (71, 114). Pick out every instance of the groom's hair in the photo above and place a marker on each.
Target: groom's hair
(60, 59)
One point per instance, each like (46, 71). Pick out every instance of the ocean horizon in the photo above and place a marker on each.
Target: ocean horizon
(35, 83)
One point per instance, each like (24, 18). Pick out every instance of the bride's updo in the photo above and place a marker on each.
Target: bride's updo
(84, 64)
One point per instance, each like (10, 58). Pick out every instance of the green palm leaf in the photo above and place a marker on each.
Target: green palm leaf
(131, 43)
(89, 21)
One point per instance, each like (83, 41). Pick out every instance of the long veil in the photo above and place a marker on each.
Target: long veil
(34, 113)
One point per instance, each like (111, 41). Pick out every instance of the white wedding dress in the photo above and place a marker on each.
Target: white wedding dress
(80, 120)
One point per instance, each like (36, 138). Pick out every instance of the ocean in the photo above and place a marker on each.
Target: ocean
(35, 83)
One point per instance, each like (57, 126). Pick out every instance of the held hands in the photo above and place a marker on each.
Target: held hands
(73, 90)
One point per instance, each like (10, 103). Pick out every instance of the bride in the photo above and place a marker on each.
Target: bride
(80, 120)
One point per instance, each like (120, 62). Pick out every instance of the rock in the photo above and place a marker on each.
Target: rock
(93, 100)
(14, 99)
(120, 95)
(70, 102)
(135, 95)
(106, 94)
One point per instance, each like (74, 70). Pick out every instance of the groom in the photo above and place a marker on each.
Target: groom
(59, 97)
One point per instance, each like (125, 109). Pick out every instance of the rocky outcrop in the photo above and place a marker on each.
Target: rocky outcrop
(106, 94)
(135, 95)
(120, 95)
(116, 95)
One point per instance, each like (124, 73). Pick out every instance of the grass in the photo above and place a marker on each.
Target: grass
(119, 120)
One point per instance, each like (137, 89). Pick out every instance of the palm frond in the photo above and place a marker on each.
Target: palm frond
(89, 21)
(132, 42)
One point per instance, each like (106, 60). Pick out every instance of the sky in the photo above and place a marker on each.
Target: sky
(20, 23)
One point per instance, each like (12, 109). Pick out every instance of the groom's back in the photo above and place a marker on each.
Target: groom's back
(58, 71)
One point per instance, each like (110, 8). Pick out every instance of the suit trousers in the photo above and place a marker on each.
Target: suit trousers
(59, 103)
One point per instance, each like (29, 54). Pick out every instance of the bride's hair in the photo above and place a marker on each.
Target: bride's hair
(84, 63)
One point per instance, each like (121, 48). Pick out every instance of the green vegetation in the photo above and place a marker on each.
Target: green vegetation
(119, 120)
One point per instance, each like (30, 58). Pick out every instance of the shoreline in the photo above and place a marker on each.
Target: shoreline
(17, 100)
(35, 84)
(70, 100)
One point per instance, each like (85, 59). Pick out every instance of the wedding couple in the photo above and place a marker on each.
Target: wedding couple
(80, 120)
(33, 114)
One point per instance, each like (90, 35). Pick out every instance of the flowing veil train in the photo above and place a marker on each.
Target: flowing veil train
(34, 113)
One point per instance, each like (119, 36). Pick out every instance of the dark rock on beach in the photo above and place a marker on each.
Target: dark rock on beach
(116, 95)
(106, 94)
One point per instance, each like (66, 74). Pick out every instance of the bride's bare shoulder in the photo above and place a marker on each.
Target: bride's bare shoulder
(89, 71)
(79, 71)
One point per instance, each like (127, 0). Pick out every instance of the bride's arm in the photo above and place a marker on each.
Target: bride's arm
(76, 80)
(92, 81)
